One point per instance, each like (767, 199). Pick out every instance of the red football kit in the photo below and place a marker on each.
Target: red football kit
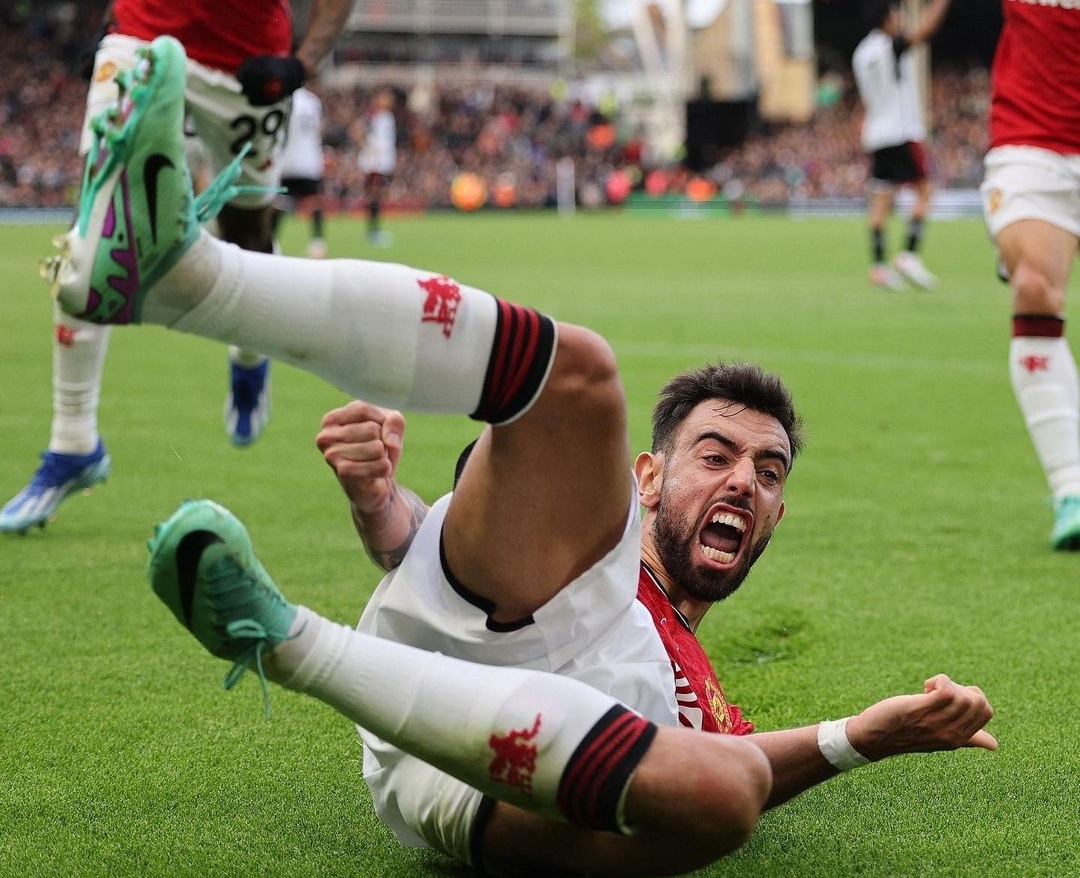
(700, 697)
(216, 33)
(1036, 78)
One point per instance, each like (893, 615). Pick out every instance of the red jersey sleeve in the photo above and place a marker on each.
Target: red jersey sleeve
(216, 33)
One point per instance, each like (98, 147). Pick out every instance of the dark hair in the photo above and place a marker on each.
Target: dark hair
(745, 384)
(876, 11)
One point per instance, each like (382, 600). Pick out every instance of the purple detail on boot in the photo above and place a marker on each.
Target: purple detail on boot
(105, 308)
(127, 286)
(108, 228)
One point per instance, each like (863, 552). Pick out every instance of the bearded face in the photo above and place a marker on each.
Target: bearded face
(713, 498)
(676, 540)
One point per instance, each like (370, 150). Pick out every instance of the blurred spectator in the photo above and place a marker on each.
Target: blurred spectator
(511, 137)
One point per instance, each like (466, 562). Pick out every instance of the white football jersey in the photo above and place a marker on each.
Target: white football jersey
(379, 153)
(889, 92)
(303, 156)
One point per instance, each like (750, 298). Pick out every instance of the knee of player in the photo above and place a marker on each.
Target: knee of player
(585, 370)
(736, 786)
(1034, 292)
(731, 786)
(710, 792)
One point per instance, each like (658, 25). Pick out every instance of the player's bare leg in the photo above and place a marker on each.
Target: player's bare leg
(1038, 257)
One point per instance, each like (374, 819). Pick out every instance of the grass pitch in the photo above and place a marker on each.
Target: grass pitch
(916, 542)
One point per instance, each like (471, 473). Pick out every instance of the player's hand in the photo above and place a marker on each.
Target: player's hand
(266, 79)
(362, 444)
(944, 716)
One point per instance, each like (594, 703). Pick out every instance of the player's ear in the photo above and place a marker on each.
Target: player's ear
(649, 469)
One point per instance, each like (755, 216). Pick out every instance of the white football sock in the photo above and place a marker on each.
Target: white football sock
(470, 720)
(79, 350)
(1044, 378)
(246, 358)
(395, 335)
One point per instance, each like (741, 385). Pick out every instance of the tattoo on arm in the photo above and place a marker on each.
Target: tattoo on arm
(388, 559)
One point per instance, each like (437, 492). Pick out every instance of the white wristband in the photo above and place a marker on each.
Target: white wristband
(832, 741)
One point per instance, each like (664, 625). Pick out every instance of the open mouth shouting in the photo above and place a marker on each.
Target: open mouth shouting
(721, 539)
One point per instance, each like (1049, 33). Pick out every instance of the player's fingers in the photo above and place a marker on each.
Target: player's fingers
(963, 716)
(357, 462)
(356, 411)
(984, 739)
(359, 429)
(393, 429)
(337, 416)
(335, 437)
(938, 681)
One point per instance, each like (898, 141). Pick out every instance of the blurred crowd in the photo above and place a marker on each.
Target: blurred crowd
(823, 158)
(512, 138)
(41, 105)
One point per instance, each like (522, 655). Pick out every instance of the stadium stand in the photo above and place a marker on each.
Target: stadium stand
(511, 135)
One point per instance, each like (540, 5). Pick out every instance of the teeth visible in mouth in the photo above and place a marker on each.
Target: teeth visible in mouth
(724, 520)
(730, 519)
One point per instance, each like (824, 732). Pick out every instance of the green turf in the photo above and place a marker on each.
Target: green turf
(915, 542)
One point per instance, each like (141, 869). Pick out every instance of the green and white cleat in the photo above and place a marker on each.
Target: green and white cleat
(203, 567)
(1066, 534)
(137, 213)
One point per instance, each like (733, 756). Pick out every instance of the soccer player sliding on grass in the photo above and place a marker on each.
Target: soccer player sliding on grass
(718, 448)
(560, 700)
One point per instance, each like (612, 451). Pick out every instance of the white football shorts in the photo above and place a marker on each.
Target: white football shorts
(594, 630)
(1026, 182)
(219, 120)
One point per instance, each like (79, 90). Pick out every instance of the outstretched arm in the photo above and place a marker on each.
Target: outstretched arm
(267, 79)
(930, 18)
(944, 716)
(325, 24)
(362, 444)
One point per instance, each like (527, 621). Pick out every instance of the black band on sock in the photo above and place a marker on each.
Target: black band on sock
(593, 781)
(1037, 326)
(520, 357)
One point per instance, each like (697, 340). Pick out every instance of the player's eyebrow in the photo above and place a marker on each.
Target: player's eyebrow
(771, 453)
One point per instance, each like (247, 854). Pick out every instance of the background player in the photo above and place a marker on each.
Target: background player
(240, 76)
(376, 134)
(1031, 201)
(894, 134)
(303, 166)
